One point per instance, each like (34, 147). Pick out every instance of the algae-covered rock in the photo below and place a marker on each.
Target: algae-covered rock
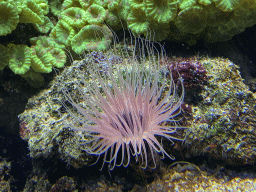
(45, 123)
(223, 124)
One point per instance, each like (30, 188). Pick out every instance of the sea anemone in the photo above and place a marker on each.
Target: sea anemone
(123, 111)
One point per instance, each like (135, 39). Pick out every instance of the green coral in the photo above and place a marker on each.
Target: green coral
(138, 22)
(4, 57)
(71, 3)
(125, 8)
(41, 60)
(158, 32)
(183, 4)
(96, 14)
(112, 19)
(84, 20)
(46, 53)
(92, 37)
(30, 61)
(74, 16)
(64, 32)
(45, 43)
(55, 7)
(35, 79)
(162, 11)
(112, 5)
(212, 20)
(59, 57)
(19, 60)
(43, 4)
(31, 13)
(13, 12)
(192, 20)
(45, 27)
(9, 18)
(227, 5)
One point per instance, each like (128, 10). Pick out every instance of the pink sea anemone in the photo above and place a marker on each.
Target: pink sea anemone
(124, 110)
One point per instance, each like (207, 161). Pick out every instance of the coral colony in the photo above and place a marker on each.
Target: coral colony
(69, 21)
(124, 109)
